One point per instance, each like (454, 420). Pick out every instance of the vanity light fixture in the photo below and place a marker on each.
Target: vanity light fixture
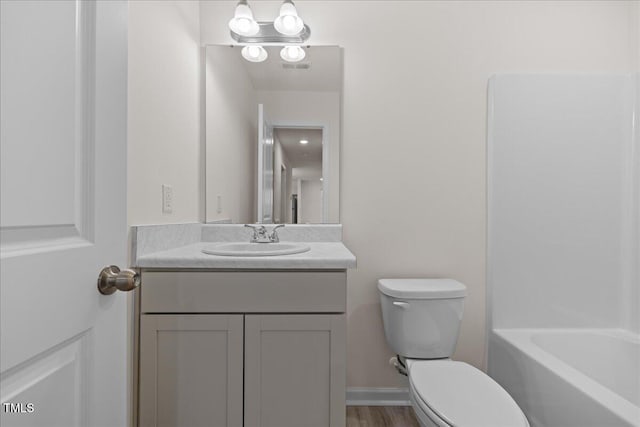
(292, 53)
(304, 141)
(242, 22)
(254, 53)
(288, 30)
(288, 22)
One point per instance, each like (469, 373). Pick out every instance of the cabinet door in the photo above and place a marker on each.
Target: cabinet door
(294, 370)
(191, 370)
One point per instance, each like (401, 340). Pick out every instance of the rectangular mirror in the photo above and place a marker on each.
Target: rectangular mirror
(273, 136)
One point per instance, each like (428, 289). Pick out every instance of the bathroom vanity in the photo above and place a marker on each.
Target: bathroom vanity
(240, 341)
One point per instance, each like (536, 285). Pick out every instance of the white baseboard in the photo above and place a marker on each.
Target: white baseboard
(372, 396)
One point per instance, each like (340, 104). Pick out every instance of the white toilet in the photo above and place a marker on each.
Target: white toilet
(421, 322)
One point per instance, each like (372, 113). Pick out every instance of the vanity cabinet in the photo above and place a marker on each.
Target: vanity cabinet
(242, 348)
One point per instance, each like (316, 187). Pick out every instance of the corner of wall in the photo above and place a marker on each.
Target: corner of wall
(164, 111)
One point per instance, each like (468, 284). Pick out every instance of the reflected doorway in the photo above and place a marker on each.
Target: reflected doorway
(298, 175)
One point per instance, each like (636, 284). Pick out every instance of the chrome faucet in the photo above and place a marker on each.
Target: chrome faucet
(261, 235)
(274, 235)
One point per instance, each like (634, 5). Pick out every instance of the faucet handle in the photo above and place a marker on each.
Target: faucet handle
(259, 232)
(274, 235)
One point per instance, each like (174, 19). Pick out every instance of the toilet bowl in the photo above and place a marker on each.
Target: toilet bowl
(421, 321)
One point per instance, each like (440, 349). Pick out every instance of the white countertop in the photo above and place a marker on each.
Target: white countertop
(322, 255)
(180, 246)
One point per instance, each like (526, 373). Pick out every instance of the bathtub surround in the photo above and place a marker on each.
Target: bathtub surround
(563, 246)
(563, 203)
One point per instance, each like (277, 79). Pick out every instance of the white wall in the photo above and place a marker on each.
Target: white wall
(231, 135)
(311, 108)
(414, 133)
(164, 111)
(310, 201)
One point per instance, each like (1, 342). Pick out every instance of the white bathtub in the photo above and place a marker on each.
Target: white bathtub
(570, 377)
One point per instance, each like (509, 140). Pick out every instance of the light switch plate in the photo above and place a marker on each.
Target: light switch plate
(167, 198)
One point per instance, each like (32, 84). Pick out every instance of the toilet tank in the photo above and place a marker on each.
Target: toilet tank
(422, 316)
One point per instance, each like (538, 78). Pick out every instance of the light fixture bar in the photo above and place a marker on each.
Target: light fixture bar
(268, 34)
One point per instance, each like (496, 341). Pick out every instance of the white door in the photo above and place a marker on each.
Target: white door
(63, 215)
(265, 168)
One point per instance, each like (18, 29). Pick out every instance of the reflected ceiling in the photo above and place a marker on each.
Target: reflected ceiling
(319, 71)
(301, 155)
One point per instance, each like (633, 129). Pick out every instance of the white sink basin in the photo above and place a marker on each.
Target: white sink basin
(255, 249)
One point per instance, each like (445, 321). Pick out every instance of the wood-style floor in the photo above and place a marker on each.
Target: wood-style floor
(381, 416)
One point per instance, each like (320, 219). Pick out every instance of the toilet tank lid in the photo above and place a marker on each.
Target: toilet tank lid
(422, 288)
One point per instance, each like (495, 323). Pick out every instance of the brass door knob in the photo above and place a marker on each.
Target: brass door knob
(113, 279)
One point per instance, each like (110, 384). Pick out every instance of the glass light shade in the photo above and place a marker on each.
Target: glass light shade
(292, 53)
(254, 53)
(288, 22)
(242, 22)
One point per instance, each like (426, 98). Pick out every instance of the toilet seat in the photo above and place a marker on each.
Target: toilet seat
(458, 395)
(424, 414)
